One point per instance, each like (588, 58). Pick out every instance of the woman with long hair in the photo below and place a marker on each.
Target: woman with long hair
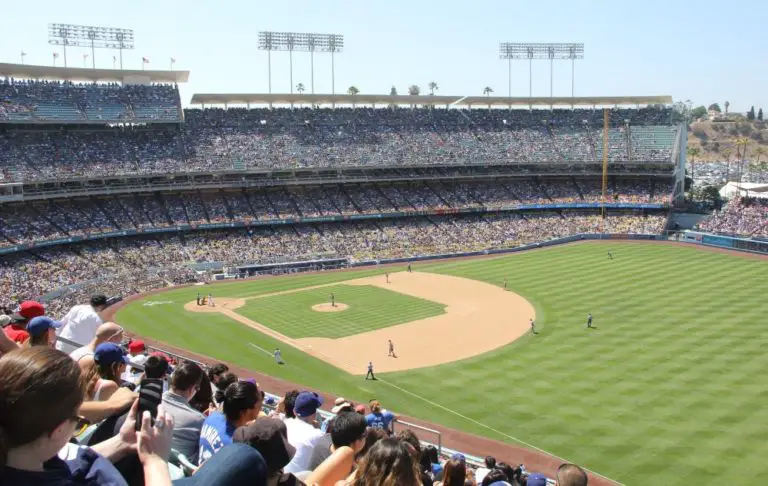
(41, 390)
(454, 474)
(389, 462)
(110, 361)
(240, 404)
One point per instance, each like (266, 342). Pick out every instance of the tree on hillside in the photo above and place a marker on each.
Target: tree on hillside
(353, 91)
(393, 91)
(711, 194)
(699, 112)
(742, 142)
(432, 87)
(714, 107)
(760, 114)
(693, 152)
(751, 114)
(414, 90)
(727, 104)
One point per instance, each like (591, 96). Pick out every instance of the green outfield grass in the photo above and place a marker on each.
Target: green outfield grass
(669, 389)
(370, 308)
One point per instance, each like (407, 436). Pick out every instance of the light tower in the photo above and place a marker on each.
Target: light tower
(303, 42)
(89, 36)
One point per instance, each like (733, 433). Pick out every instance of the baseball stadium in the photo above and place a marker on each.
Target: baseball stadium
(513, 278)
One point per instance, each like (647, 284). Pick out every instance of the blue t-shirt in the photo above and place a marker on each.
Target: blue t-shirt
(215, 434)
(380, 420)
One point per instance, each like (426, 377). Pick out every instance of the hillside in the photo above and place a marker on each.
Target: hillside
(716, 141)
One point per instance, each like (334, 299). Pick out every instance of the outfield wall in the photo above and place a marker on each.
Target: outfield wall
(723, 241)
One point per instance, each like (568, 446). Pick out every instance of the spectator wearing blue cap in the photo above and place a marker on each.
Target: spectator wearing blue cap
(110, 361)
(42, 331)
(303, 432)
(536, 479)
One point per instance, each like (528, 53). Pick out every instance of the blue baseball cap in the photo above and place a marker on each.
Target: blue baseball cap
(537, 479)
(307, 404)
(40, 324)
(109, 353)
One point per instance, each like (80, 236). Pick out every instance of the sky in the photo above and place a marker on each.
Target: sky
(698, 50)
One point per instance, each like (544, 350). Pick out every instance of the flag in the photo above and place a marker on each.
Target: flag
(173, 60)
(55, 55)
(145, 60)
(23, 53)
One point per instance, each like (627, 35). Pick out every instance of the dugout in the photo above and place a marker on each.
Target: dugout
(292, 267)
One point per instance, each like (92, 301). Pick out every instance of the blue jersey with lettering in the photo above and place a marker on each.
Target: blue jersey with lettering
(215, 434)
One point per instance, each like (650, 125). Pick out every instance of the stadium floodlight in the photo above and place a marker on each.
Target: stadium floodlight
(541, 50)
(304, 42)
(90, 36)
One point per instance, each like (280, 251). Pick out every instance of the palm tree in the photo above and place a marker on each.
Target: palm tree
(726, 107)
(743, 142)
(757, 166)
(353, 91)
(693, 152)
(300, 88)
(432, 87)
(727, 154)
(487, 91)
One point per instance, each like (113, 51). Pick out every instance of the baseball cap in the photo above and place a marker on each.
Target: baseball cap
(29, 309)
(270, 438)
(108, 353)
(40, 324)
(537, 479)
(340, 404)
(360, 409)
(136, 346)
(459, 457)
(307, 404)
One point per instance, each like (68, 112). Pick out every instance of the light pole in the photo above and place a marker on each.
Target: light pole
(89, 36)
(550, 51)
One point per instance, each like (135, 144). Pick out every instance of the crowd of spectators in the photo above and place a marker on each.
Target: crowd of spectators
(64, 101)
(125, 266)
(26, 223)
(744, 216)
(76, 417)
(217, 139)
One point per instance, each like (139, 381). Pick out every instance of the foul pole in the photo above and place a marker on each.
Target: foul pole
(605, 159)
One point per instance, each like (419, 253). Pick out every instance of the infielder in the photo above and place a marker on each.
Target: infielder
(278, 356)
(391, 349)
(410, 270)
(333, 300)
(387, 276)
(505, 284)
(370, 371)
(533, 326)
(210, 300)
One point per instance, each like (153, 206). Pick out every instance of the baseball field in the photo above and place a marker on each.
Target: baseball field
(668, 387)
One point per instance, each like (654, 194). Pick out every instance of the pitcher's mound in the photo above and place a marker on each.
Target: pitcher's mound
(221, 303)
(329, 308)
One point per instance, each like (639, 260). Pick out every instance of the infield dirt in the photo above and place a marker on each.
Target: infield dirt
(479, 317)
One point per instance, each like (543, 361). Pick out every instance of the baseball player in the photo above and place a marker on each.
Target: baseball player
(610, 255)
(589, 320)
(210, 300)
(333, 300)
(391, 349)
(387, 276)
(410, 270)
(370, 371)
(533, 326)
(505, 284)
(198, 298)
(278, 356)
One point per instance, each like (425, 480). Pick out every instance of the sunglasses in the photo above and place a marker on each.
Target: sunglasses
(81, 423)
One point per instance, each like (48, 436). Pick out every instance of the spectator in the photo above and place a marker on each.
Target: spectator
(241, 404)
(378, 418)
(303, 433)
(536, 479)
(108, 332)
(454, 474)
(136, 351)
(110, 361)
(372, 436)
(81, 322)
(388, 462)
(571, 475)
(202, 401)
(407, 435)
(42, 331)
(6, 344)
(496, 477)
(348, 430)
(430, 460)
(221, 386)
(28, 310)
(185, 382)
(270, 438)
(156, 367)
(488, 464)
(40, 392)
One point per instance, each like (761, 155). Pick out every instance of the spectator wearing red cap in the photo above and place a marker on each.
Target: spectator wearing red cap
(28, 310)
(137, 353)
(81, 322)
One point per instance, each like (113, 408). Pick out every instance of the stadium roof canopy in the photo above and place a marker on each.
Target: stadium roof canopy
(344, 99)
(30, 71)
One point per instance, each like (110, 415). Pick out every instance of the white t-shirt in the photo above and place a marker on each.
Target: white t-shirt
(303, 437)
(79, 325)
(81, 352)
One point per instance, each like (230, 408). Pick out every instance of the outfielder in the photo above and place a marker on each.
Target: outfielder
(589, 320)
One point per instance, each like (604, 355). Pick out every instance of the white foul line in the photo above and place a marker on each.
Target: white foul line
(260, 348)
(469, 419)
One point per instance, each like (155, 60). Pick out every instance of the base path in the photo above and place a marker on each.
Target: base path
(479, 317)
